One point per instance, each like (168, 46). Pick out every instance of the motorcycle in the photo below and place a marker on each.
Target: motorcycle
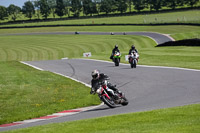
(111, 101)
(116, 58)
(133, 59)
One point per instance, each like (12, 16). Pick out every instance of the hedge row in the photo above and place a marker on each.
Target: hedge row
(186, 42)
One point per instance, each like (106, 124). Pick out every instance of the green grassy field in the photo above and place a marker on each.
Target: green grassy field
(48, 47)
(184, 119)
(190, 16)
(178, 32)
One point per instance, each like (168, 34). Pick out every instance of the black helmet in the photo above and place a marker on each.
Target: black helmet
(116, 46)
(133, 47)
(95, 74)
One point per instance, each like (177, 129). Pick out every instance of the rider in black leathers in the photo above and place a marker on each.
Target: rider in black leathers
(98, 78)
(132, 50)
(115, 49)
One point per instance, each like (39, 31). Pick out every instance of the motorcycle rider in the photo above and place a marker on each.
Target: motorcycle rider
(97, 79)
(132, 50)
(115, 49)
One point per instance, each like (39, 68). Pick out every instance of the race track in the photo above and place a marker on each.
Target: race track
(147, 88)
(157, 37)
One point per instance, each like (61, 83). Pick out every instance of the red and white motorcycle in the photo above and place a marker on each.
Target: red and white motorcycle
(111, 100)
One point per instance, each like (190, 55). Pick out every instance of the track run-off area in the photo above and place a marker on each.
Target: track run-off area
(146, 87)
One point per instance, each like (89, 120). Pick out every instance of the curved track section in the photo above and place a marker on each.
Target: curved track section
(147, 88)
(157, 37)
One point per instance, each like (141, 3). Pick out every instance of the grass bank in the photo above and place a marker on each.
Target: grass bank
(48, 47)
(173, 120)
(178, 32)
(29, 93)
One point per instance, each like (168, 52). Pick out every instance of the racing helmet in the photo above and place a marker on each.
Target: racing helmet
(95, 74)
(132, 47)
(116, 46)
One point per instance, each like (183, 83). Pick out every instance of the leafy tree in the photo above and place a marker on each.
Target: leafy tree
(44, 8)
(89, 7)
(122, 5)
(3, 12)
(60, 8)
(129, 5)
(106, 6)
(155, 4)
(180, 2)
(28, 9)
(171, 3)
(98, 5)
(191, 3)
(114, 5)
(139, 4)
(93, 6)
(76, 7)
(52, 6)
(67, 4)
(37, 8)
(13, 11)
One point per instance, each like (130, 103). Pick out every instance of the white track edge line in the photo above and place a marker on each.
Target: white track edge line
(32, 66)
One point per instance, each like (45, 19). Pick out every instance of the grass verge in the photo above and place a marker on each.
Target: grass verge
(48, 47)
(29, 93)
(185, 119)
(178, 32)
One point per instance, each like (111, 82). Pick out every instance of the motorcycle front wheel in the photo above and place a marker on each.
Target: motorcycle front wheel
(124, 101)
(108, 102)
(134, 64)
(116, 62)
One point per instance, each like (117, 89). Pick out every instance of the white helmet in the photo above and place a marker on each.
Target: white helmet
(95, 74)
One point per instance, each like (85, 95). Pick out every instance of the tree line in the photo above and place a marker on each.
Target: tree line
(87, 7)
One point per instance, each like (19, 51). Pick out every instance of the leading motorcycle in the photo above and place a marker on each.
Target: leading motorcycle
(110, 100)
(133, 59)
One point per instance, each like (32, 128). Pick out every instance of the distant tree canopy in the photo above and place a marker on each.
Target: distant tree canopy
(60, 8)
(28, 9)
(76, 7)
(13, 11)
(89, 7)
(3, 13)
(44, 8)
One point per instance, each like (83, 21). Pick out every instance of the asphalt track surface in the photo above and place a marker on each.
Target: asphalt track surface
(147, 88)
